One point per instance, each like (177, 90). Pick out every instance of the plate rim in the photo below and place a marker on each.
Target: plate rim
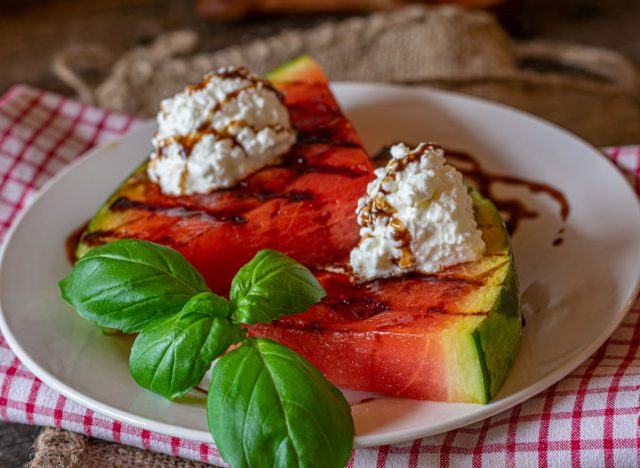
(400, 436)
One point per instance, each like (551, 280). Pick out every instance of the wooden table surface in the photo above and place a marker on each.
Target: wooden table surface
(32, 31)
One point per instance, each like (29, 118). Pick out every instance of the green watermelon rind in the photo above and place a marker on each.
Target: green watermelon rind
(497, 338)
(105, 212)
(292, 67)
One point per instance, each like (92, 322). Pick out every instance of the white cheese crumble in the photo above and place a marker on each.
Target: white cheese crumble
(417, 215)
(214, 134)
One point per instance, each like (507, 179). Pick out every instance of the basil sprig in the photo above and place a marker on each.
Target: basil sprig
(266, 406)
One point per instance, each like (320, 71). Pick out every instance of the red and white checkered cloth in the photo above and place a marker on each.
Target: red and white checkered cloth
(590, 418)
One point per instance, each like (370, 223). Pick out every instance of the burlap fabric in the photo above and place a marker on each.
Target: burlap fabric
(592, 92)
(61, 449)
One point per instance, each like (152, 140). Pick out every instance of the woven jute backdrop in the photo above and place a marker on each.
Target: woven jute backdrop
(592, 92)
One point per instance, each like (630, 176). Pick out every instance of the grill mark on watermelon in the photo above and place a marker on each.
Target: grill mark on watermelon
(302, 166)
(294, 196)
(321, 120)
(430, 313)
(95, 238)
(478, 279)
(436, 278)
(234, 216)
(320, 151)
(124, 203)
(313, 326)
(443, 311)
(99, 237)
(308, 139)
(360, 308)
(349, 303)
(316, 326)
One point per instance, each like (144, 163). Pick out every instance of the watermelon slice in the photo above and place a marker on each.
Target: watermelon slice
(303, 207)
(449, 337)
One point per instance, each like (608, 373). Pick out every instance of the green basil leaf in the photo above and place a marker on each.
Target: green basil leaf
(128, 283)
(171, 355)
(268, 406)
(271, 286)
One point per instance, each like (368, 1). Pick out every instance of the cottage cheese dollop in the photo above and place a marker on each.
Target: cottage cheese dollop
(216, 133)
(417, 215)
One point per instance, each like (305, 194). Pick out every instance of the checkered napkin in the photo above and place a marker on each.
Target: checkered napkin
(590, 418)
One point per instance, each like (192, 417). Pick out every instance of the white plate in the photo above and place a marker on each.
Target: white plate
(574, 294)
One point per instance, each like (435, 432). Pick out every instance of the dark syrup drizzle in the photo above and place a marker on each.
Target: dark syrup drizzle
(72, 241)
(560, 239)
(123, 203)
(201, 390)
(363, 401)
(513, 210)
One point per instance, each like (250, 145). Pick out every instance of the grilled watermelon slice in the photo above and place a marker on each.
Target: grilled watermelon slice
(451, 336)
(303, 207)
(448, 337)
